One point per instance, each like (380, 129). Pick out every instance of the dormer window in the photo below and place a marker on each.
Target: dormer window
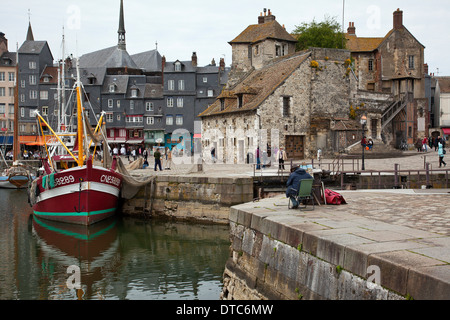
(178, 66)
(240, 100)
(112, 88)
(92, 79)
(134, 93)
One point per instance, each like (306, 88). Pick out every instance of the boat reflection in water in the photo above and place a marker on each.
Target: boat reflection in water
(89, 249)
(125, 258)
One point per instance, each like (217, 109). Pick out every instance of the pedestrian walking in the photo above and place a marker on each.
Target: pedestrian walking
(168, 159)
(281, 156)
(258, 160)
(424, 144)
(441, 153)
(418, 145)
(145, 154)
(213, 154)
(157, 156)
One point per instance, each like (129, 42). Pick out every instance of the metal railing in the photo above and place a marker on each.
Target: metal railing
(397, 178)
(342, 169)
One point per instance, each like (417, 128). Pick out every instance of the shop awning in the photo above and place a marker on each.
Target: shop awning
(135, 141)
(36, 140)
(197, 136)
(8, 140)
(446, 130)
(31, 140)
(118, 140)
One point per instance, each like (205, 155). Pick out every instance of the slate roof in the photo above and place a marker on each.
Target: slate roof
(444, 84)
(111, 57)
(32, 47)
(186, 66)
(257, 86)
(121, 82)
(148, 61)
(8, 59)
(98, 73)
(260, 32)
(120, 58)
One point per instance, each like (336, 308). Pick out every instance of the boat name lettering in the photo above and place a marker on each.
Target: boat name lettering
(110, 179)
(64, 180)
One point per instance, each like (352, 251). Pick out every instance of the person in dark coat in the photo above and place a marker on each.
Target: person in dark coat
(293, 184)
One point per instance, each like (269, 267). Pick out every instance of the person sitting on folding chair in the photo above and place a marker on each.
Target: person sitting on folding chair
(293, 184)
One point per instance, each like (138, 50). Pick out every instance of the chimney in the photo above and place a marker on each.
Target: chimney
(398, 19)
(351, 30)
(222, 64)
(425, 69)
(261, 18)
(3, 43)
(194, 59)
(163, 66)
(213, 62)
(269, 17)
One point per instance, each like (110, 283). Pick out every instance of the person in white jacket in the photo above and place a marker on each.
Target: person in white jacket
(281, 156)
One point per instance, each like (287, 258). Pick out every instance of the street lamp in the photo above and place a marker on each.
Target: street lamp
(363, 124)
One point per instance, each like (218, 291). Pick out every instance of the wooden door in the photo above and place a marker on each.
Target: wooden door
(295, 147)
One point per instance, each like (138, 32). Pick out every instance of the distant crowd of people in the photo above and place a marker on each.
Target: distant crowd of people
(433, 142)
(143, 152)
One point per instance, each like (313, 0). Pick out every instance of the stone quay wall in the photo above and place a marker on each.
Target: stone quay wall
(331, 254)
(196, 198)
(264, 267)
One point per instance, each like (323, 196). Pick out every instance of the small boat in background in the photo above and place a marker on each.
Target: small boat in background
(15, 177)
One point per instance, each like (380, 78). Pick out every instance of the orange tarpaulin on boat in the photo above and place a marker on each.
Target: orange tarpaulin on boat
(32, 140)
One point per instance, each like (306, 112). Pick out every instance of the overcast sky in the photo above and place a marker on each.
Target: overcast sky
(206, 26)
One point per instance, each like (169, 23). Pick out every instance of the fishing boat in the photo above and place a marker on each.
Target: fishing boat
(73, 189)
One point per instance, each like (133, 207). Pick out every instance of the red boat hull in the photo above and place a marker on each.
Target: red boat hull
(83, 195)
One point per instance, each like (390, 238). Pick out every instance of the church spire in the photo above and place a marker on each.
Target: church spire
(30, 36)
(121, 44)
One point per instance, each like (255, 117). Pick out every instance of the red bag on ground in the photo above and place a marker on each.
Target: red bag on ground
(333, 197)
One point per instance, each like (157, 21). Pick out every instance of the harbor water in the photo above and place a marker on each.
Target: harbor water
(121, 258)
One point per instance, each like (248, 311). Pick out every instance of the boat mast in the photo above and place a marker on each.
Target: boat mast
(80, 130)
(63, 115)
(16, 145)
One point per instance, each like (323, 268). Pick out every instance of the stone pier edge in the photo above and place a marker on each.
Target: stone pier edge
(285, 260)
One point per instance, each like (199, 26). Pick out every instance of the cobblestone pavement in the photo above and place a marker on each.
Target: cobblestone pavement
(427, 210)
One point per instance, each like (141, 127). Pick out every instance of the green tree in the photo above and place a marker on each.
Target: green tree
(325, 34)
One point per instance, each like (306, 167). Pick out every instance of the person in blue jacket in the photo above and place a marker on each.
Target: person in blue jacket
(293, 184)
(441, 154)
